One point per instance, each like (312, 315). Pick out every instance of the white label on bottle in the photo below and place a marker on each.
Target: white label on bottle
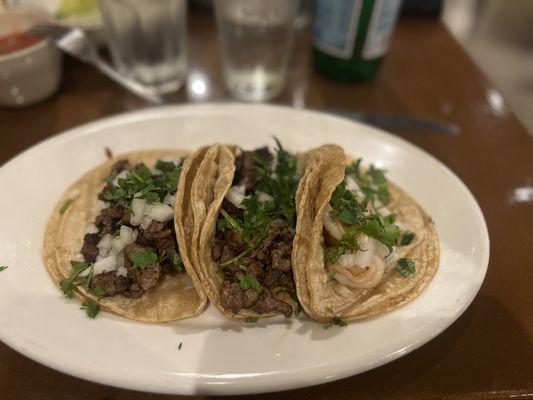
(336, 25)
(382, 24)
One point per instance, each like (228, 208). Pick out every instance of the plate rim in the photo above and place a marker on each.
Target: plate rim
(210, 384)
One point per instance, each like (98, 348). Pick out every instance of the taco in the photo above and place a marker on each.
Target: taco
(362, 246)
(243, 214)
(111, 240)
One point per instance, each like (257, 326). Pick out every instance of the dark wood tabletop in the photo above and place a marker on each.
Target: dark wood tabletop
(488, 352)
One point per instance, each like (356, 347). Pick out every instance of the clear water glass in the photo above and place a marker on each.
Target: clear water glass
(147, 40)
(256, 38)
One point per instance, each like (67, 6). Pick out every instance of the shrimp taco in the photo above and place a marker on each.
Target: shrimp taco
(362, 246)
(243, 215)
(111, 240)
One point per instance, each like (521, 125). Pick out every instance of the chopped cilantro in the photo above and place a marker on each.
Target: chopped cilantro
(141, 183)
(143, 259)
(176, 260)
(405, 266)
(98, 291)
(247, 281)
(66, 205)
(3, 267)
(229, 222)
(280, 183)
(406, 238)
(91, 308)
(234, 259)
(345, 206)
(67, 285)
(389, 219)
(347, 242)
(386, 233)
(255, 221)
(372, 183)
(251, 319)
(334, 321)
(338, 321)
(329, 309)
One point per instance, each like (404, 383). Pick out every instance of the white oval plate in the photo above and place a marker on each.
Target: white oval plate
(218, 356)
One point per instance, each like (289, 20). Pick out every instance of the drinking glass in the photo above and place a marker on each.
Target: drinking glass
(147, 40)
(255, 38)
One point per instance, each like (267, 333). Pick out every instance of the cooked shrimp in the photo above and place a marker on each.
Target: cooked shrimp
(351, 274)
(334, 228)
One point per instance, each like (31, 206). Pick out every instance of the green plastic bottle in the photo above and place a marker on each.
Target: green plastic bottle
(352, 36)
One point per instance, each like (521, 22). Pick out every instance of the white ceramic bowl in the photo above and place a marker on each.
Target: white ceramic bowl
(33, 73)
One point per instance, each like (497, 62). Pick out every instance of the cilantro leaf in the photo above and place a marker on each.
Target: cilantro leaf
(346, 208)
(3, 267)
(347, 242)
(405, 266)
(176, 260)
(66, 205)
(98, 291)
(143, 259)
(251, 319)
(386, 233)
(280, 183)
(372, 183)
(338, 321)
(142, 183)
(406, 238)
(67, 285)
(255, 220)
(247, 281)
(91, 308)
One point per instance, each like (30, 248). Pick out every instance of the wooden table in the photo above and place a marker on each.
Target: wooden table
(488, 352)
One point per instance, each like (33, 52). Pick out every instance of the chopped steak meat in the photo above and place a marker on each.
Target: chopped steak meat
(266, 303)
(119, 166)
(109, 217)
(158, 234)
(269, 263)
(137, 281)
(246, 170)
(90, 249)
(111, 283)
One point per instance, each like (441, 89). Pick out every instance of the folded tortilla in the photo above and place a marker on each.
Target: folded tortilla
(208, 187)
(323, 298)
(177, 296)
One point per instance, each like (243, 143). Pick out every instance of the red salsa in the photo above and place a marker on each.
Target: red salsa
(16, 42)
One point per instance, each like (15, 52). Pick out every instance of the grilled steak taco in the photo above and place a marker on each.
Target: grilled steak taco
(362, 246)
(111, 240)
(243, 214)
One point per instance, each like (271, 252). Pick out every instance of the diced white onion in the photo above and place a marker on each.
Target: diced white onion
(121, 175)
(146, 222)
(138, 207)
(236, 195)
(91, 228)
(264, 197)
(159, 212)
(351, 184)
(121, 271)
(384, 211)
(170, 199)
(104, 245)
(105, 265)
